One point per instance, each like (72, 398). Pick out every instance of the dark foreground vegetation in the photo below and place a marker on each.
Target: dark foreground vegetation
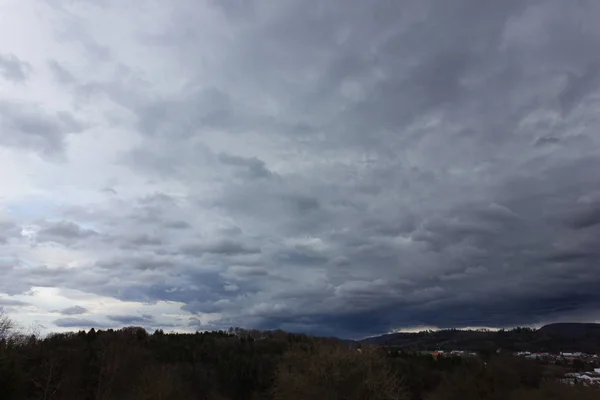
(131, 364)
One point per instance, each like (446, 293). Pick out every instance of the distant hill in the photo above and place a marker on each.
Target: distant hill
(571, 329)
(554, 338)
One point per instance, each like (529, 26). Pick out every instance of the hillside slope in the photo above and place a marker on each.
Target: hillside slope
(570, 329)
(551, 338)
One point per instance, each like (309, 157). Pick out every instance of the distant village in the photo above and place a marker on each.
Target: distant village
(586, 378)
(565, 357)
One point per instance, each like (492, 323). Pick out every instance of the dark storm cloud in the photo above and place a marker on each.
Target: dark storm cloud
(435, 308)
(14, 69)
(75, 310)
(352, 168)
(27, 126)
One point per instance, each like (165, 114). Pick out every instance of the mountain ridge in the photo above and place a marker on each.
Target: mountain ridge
(572, 328)
(554, 337)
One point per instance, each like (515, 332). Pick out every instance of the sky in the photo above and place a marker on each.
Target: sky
(334, 167)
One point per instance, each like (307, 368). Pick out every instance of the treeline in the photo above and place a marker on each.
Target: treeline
(518, 339)
(130, 364)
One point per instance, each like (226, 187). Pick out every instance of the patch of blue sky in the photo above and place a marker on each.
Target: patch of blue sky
(31, 208)
(15, 260)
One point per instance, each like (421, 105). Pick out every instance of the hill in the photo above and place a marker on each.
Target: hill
(550, 338)
(572, 329)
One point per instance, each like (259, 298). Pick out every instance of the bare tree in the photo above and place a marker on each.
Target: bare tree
(337, 372)
(6, 325)
(50, 379)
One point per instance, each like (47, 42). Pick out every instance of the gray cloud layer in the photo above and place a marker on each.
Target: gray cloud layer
(14, 69)
(75, 310)
(344, 168)
(78, 323)
(12, 303)
(28, 126)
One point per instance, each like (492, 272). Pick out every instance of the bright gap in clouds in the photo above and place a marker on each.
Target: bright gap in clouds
(332, 168)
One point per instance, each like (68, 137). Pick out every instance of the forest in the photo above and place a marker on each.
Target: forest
(132, 364)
